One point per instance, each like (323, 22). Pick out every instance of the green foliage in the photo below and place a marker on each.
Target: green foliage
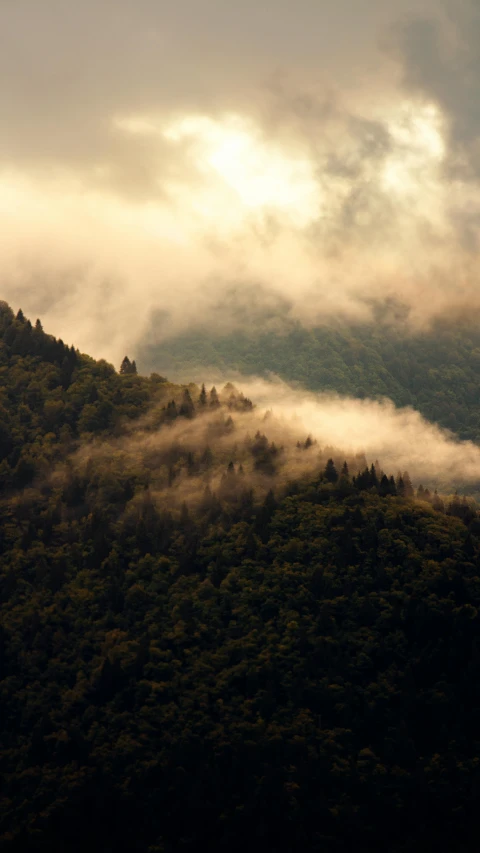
(51, 396)
(128, 368)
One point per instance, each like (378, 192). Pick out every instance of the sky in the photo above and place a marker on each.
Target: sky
(171, 160)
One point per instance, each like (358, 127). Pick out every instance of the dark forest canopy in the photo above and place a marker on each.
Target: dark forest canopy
(436, 371)
(200, 650)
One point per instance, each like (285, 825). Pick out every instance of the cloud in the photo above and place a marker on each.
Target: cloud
(173, 160)
(399, 437)
(440, 57)
(270, 444)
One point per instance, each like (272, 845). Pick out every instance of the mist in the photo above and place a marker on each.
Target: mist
(400, 438)
(266, 440)
(315, 156)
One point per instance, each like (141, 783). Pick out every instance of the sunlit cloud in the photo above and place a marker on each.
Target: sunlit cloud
(260, 174)
(239, 208)
(166, 168)
(418, 152)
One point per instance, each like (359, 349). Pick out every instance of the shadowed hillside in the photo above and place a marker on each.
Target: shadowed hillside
(228, 648)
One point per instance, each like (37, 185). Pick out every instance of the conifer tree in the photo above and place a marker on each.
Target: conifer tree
(331, 474)
(202, 400)
(384, 487)
(407, 485)
(214, 401)
(187, 409)
(171, 412)
(437, 502)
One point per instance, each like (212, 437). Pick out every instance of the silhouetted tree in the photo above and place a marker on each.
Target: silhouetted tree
(330, 473)
(214, 401)
(187, 409)
(202, 400)
(126, 366)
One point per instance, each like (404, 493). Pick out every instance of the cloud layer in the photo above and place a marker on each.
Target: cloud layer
(399, 437)
(157, 158)
(270, 444)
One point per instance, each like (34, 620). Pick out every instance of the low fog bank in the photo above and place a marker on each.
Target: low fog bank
(201, 445)
(399, 437)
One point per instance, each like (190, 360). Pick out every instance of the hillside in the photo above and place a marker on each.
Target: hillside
(52, 396)
(436, 372)
(215, 636)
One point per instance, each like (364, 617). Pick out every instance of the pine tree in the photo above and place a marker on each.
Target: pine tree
(384, 487)
(171, 412)
(437, 502)
(331, 472)
(214, 401)
(202, 400)
(128, 368)
(407, 485)
(187, 409)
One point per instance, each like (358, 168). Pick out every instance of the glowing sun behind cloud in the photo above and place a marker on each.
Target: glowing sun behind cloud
(260, 174)
(241, 174)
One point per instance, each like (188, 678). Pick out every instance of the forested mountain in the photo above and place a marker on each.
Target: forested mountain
(215, 634)
(51, 396)
(436, 371)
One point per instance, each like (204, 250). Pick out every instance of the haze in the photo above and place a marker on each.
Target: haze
(156, 156)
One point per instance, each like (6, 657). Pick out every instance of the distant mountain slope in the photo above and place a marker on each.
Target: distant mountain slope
(437, 372)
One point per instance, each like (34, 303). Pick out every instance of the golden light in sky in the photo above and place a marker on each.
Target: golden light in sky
(239, 205)
(323, 154)
(243, 172)
(260, 174)
(419, 149)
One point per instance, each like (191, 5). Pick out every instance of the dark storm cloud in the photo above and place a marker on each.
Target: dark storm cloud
(441, 62)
